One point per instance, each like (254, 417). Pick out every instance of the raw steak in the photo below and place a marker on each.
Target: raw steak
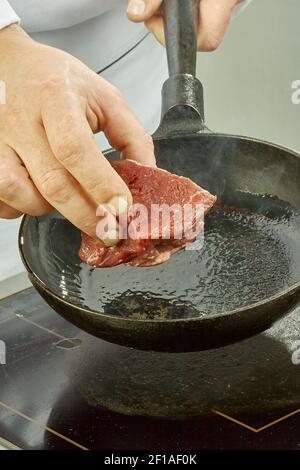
(150, 186)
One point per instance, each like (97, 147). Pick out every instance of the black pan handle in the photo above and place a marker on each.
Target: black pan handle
(182, 93)
(180, 34)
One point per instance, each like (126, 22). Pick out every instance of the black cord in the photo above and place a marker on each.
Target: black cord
(123, 55)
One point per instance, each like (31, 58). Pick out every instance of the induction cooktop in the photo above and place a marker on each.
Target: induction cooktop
(61, 388)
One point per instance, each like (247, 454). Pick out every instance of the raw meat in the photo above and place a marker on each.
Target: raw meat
(150, 186)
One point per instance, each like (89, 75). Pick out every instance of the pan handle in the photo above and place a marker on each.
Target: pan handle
(182, 93)
(180, 18)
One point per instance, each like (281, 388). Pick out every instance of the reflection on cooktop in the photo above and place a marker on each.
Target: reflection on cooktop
(63, 389)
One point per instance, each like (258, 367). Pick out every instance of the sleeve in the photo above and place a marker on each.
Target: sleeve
(7, 15)
(241, 6)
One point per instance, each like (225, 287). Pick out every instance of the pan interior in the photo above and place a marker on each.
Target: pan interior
(251, 240)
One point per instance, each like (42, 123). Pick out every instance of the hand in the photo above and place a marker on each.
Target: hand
(214, 17)
(48, 156)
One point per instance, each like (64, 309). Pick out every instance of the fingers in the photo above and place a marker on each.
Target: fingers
(123, 130)
(142, 10)
(148, 11)
(72, 143)
(214, 17)
(56, 184)
(17, 190)
(155, 24)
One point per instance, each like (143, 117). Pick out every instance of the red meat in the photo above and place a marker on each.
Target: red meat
(150, 186)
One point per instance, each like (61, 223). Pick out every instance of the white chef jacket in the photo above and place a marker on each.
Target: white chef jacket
(99, 33)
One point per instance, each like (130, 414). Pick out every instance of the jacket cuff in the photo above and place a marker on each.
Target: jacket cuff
(7, 15)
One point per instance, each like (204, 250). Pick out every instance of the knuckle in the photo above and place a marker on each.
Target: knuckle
(68, 151)
(210, 44)
(213, 46)
(100, 188)
(51, 85)
(53, 185)
(9, 183)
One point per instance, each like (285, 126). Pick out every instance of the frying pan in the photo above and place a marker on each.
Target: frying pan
(247, 275)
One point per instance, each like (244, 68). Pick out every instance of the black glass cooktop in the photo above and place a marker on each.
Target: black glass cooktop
(63, 389)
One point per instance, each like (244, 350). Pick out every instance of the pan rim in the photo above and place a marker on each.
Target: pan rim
(207, 317)
(209, 133)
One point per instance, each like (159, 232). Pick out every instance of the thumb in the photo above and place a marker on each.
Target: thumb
(142, 10)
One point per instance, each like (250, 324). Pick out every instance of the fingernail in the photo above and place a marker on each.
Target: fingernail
(118, 205)
(111, 238)
(107, 228)
(136, 7)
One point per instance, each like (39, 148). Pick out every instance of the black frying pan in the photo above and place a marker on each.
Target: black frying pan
(248, 273)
